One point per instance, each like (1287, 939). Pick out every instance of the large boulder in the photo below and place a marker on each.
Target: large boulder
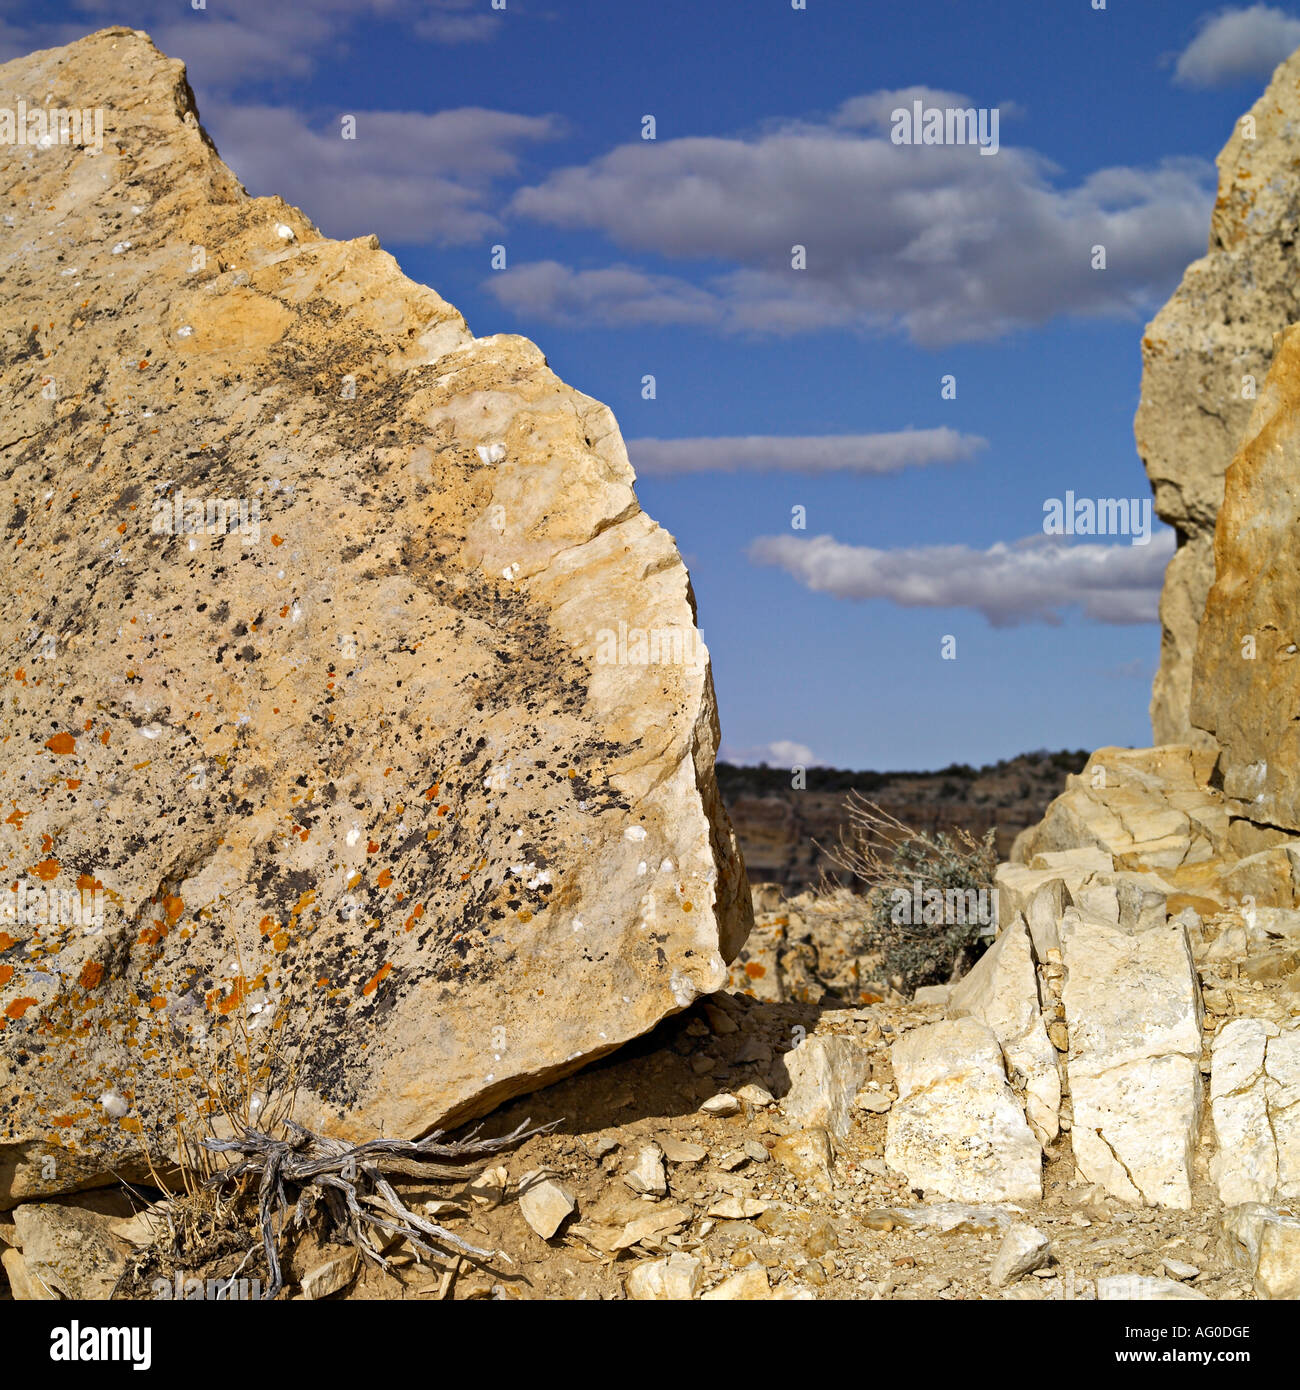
(1245, 691)
(1204, 355)
(342, 671)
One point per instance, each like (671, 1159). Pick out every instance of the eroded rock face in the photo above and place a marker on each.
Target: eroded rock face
(339, 661)
(1200, 355)
(1247, 691)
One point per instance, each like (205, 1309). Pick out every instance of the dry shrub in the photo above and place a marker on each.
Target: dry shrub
(892, 861)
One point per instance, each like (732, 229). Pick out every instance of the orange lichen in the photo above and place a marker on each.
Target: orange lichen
(46, 870)
(62, 743)
(173, 907)
(373, 983)
(19, 1007)
(6, 974)
(234, 998)
(91, 974)
(384, 879)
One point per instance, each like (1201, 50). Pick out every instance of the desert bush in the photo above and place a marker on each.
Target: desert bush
(897, 868)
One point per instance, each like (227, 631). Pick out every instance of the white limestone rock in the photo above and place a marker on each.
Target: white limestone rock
(1001, 991)
(957, 1128)
(1133, 1012)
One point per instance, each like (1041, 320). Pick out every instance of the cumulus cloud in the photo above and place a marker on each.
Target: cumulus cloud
(407, 176)
(936, 241)
(1033, 580)
(781, 752)
(1237, 44)
(619, 294)
(826, 453)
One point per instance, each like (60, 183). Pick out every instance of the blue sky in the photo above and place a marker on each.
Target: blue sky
(625, 257)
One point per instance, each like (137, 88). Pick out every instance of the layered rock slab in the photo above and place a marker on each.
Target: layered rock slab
(1154, 816)
(375, 756)
(1204, 356)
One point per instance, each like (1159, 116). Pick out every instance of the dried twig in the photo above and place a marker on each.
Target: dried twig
(352, 1181)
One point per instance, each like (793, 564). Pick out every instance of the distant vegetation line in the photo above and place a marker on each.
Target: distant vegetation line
(736, 780)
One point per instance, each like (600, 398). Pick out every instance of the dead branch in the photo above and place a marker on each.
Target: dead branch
(352, 1181)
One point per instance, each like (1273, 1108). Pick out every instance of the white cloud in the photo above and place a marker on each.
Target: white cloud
(458, 21)
(233, 42)
(937, 241)
(614, 295)
(407, 176)
(781, 752)
(1236, 44)
(1033, 580)
(829, 453)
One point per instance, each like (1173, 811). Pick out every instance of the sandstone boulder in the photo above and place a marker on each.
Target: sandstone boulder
(346, 683)
(1200, 356)
(1165, 829)
(825, 1076)
(1245, 692)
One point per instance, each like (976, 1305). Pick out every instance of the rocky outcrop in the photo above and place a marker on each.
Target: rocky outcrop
(1204, 357)
(809, 948)
(1245, 691)
(350, 697)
